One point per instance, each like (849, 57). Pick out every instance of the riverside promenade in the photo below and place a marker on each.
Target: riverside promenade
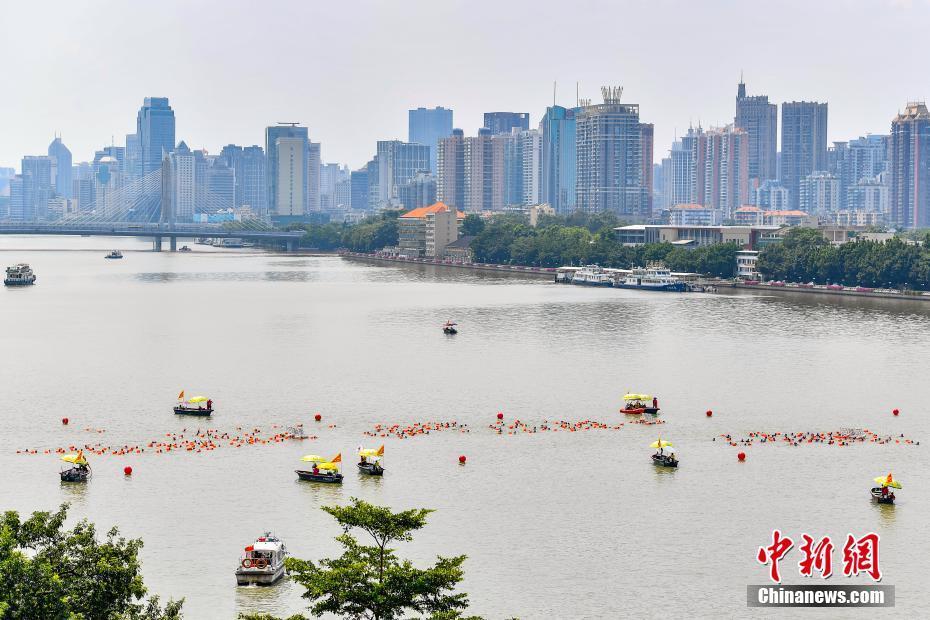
(548, 272)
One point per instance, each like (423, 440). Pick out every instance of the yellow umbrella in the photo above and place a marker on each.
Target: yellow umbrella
(330, 466)
(368, 452)
(77, 459)
(888, 481)
(637, 397)
(313, 458)
(661, 444)
(198, 399)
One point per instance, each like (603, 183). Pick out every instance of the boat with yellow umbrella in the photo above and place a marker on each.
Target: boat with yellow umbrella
(81, 470)
(639, 403)
(883, 493)
(370, 461)
(195, 405)
(323, 470)
(665, 456)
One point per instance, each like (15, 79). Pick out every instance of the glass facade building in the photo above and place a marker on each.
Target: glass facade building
(428, 126)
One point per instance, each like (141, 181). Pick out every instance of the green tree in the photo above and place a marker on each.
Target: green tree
(370, 581)
(472, 224)
(52, 573)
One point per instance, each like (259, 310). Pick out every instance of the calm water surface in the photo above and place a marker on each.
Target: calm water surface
(556, 525)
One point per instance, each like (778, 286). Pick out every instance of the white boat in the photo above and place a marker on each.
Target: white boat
(19, 275)
(592, 275)
(652, 277)
(262, 562)
(114, 254)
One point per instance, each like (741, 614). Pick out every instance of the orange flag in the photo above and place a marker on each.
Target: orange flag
(381, 450)
(337, 458)
(181, 395)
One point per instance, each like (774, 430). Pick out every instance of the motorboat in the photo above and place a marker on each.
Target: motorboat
(449, 328)
(592, 275)
(114, 254)
(665, 460)
(370, 461)
(883, 493)
(262, 562)
(19, 275)
(665, 457)
(634, 404)
(184, 248)
(653, 277)
(80, 472)
(195, 405)
(322, 470)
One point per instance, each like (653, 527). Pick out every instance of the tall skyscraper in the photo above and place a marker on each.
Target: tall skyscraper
(133, 165)
(178, 185)
(37, 186)
(557, 131)
(428, 127)
(358, 181)
(803, 144)
(610, 158)
(450, 170)
(398, 162)
(686, 185)
(61, 167)
(505, 122)
(759, 119)
(726, 169)
(909, 151)
(420, 191)
(287, 148)
(249, 166)
(155, 130)
(647, 139)
(820, 193)
(483, 173)
(107, 183)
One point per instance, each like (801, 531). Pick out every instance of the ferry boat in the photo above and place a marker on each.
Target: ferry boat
(114, 254)
(262, 562)
(592, 275)
(196, 405)
(652, 277)
(19, 275)
(323, 470)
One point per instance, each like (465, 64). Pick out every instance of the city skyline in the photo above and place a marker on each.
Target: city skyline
(55, 95)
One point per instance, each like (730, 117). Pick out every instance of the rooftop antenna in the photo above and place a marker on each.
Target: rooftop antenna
(577, 102)
(288, 123)
(553, 93)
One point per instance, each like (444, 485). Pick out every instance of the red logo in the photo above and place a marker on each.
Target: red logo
(859, 556)
(773, 553)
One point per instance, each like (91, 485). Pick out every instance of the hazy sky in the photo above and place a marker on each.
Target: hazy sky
(350, 69)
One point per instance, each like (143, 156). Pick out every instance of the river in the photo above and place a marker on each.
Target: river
(555, 524)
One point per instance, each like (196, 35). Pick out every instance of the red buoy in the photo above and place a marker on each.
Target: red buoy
(65, 421)
(127, 470)
(895, 412)
(318, 417)
(462, 460)
(741, 456)
(500, 416)
(709, 413)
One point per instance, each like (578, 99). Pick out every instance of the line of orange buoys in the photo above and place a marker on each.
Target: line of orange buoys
(843, 437)
(198, 440)
(416, 429)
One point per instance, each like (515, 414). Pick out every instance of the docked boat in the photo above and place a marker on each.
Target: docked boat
(195, 405)
(665, 457)
(449, 328)
(114, 254)
(653, 277)
(19, 275)
(262, 562)
(322, 470)
(883, 493)
(370, 461)
(592, 275)
(80, 471)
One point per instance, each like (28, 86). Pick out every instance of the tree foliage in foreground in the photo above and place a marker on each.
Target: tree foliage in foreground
(49, 572)
(370, 581)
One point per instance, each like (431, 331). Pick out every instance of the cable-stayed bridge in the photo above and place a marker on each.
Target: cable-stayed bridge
(144, 208)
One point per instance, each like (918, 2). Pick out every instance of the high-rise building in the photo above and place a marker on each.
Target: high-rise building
(108, 180)
(286, 169)
(314, 162)
(771, 196)
(509, 147)
(610, 158)
(343, 195)
(420, 191)
(330, 177)
(685, 182)
(557, 184)
(450, 170)
(17, 210)
(483, 166)
(61, 167)
(398, 162)
(358, 181)
(909, 154)
(726, 169)
(505, 122)
(428, 127)
(132, 170)
(220, 185)
(803, 144)
(155, 131)
(820, 193)
(870, 195)
(178, 185)
(82, 183)
(647, 139)
(249, 166)
(37, 186)
(531, 172)
(759, 119)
